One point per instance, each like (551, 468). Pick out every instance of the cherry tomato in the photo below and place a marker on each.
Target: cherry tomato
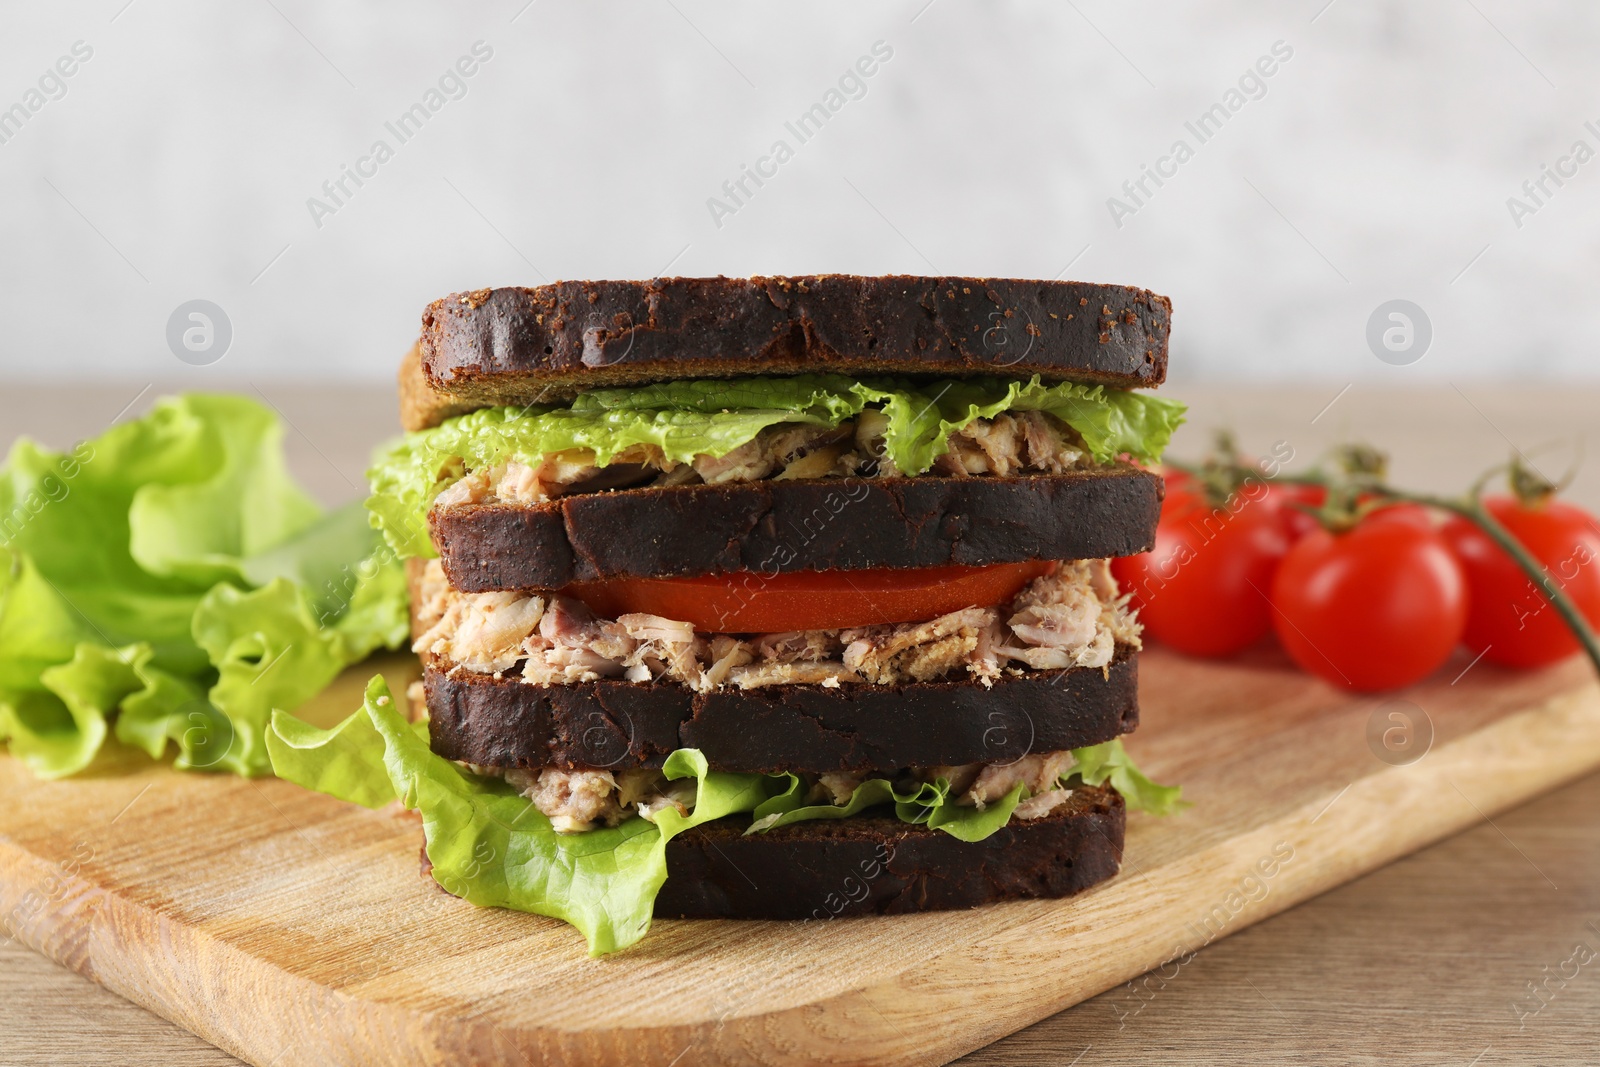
(1286, 495)
(1511, 622)
(1409, 514)
(1179, 481)
(1374, 608)
(1203, 588)
(810, 600)
(1292, 498)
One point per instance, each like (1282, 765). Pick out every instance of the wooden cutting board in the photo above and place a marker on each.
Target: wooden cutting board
(289, 928)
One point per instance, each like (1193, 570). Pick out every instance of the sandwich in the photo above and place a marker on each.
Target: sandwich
(776, 598)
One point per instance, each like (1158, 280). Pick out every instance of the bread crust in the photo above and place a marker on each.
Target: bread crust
(545, 344)
(877, 865)
(421, 405)
(616, 725)
(773, 527)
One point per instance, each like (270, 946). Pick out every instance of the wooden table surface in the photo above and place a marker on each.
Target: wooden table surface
(1432, 960)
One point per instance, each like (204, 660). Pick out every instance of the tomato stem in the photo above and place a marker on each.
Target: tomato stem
(1471, 508)
(1364, 474)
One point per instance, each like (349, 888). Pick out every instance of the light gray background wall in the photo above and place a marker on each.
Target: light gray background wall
(1376, 164)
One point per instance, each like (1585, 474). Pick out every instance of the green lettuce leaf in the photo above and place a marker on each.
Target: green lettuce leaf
(155, 706)
(1111, 422)
(203, 529)
(967, 823)
(931, 804)
(490, 845)
(712, 417)
(928, 804)
(347, 761)
(1110, 762)
(789, 807)
(270, 653)
(167, 584)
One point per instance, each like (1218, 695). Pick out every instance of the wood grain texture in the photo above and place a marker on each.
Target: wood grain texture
(289, 928)
(1424, 962)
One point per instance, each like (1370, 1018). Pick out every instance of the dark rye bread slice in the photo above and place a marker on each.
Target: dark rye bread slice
(874, 864)
(613, 724)
(878, 865)
(770, 527)
(543, 345)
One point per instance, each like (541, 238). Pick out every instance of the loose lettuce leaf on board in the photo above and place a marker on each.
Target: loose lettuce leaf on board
(713, 417)
(155, 706)
(205, 529)
(270, 653)
(38, 628)
(143, 572)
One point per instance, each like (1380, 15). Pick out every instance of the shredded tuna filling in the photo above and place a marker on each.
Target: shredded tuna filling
(1024, 442)
(1074, 618)
(575, 801)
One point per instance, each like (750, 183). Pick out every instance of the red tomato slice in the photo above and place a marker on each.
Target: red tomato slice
(810, 600)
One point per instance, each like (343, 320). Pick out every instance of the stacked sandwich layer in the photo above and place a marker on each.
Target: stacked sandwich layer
(790, 591)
